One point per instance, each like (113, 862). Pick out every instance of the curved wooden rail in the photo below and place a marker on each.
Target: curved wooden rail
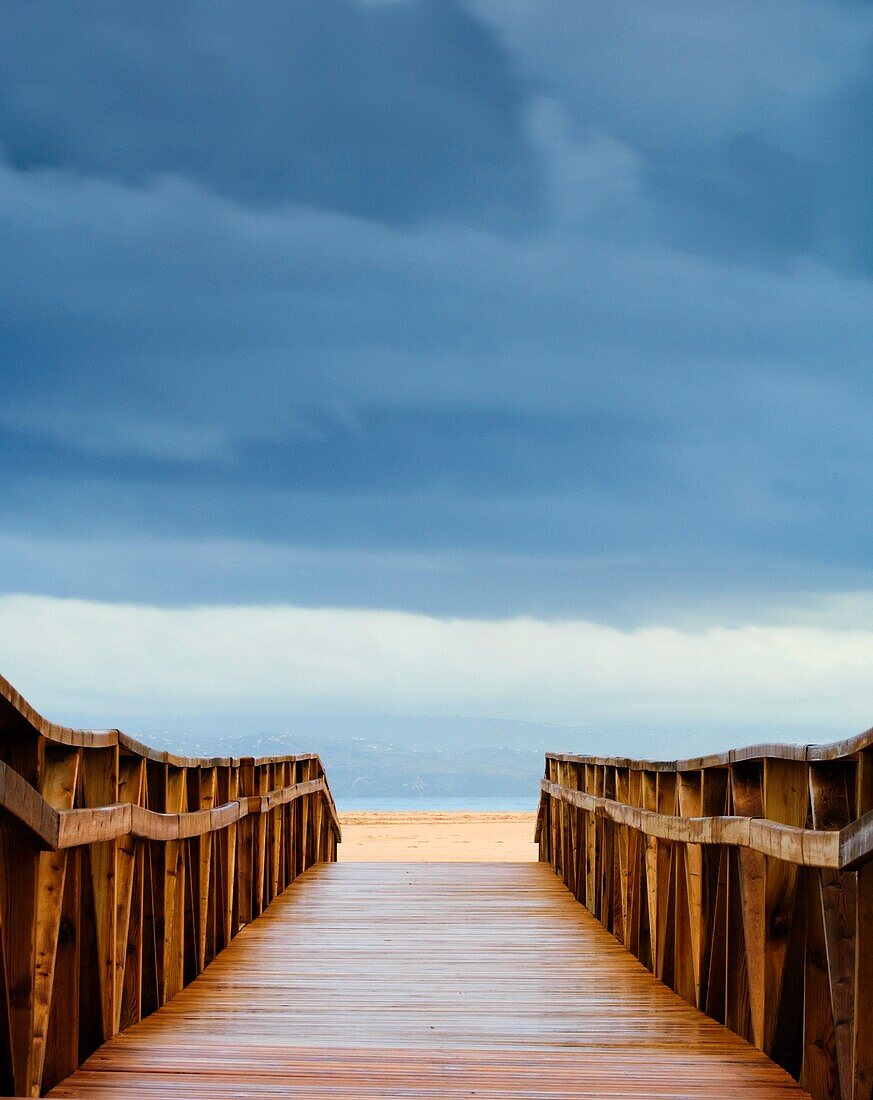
(124, 871)
(744, 880)
(844, 850)
(59, 829)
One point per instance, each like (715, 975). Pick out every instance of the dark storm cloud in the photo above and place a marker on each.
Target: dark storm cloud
(390, 110)
(753, 122)
(550, 309)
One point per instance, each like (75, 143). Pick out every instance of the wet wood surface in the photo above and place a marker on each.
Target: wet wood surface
(427, 979)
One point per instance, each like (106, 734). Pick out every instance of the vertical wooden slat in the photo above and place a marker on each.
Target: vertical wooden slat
(92, 937)
(748, 796)
(665, 851)
(862, 1054)
(100, 788)
(554, 821)
(174, 891)
(131, 782)
(650, 802)
(276, 884)
(207, 789)
(714, 800)
(785, 800)
(635, 872)
(591, 853)
(737, 1011)
(224, 861)
(717, 966)
(62, 1043)
(31, 906)
(131, 1005)
(690, 886)
(820, 1073)
(245, 839)
(262, 780)
(831, 809)
(622, 793)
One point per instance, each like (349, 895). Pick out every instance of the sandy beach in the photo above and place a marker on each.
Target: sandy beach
(426, 836)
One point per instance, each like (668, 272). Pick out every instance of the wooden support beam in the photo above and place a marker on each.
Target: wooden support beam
(245, 842)
(131, 788)
(97, 905)
(131, 994)
(820, 1072)
(206, 795)
(690, 947)
(714, 803)
(862, 1053)
(277, 834)
(226, 841)
(665, 884)
(173, 944)
(758, 902)
(650, 803)
(622, 843)
(62, 1041)
(262, 783)
(748, 798)
(785, 800)
(100, 775)
(831, 809)
(591, 851)
(32, 887)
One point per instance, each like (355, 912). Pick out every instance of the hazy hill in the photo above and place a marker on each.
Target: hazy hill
(374, 757)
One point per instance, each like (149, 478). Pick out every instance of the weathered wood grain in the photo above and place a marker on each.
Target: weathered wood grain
(758, 894)
(120, 878)
(427, 980)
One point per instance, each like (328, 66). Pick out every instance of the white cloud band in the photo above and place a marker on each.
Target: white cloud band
(79, 657)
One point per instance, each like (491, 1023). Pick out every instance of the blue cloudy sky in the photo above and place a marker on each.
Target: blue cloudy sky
(505, 358)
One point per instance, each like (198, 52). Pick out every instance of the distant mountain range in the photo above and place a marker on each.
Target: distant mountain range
(362, 768)
(377, 759)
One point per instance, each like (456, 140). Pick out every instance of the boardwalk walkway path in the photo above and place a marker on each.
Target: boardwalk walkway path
(427, 979)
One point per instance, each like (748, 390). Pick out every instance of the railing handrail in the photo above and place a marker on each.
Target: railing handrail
(839, 849)
(810, 752)
(124, 870)
(59, 829)
(744, 880)
(101, 739)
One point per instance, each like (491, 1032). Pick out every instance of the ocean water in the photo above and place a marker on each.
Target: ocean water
(437, 805)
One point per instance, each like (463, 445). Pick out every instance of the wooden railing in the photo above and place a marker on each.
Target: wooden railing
(124, 871)
(744, 881)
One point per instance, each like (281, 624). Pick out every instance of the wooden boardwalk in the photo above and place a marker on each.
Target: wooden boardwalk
(427, 979)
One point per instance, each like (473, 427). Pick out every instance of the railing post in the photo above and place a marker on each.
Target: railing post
(33, 883)
(245, 840)
(862, 1054)
(545, 820)
(175, 802)
(202, 787)
(100, 776)
(715, 793)
(114, 892)
(636, 868)
(591, 845)
(130, 864)
(833, 894)
(225, 874)
(690, 925)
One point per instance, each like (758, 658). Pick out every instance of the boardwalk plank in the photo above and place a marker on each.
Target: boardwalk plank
(427, 979)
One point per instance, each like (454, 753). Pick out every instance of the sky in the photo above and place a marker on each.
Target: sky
(500, 358)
